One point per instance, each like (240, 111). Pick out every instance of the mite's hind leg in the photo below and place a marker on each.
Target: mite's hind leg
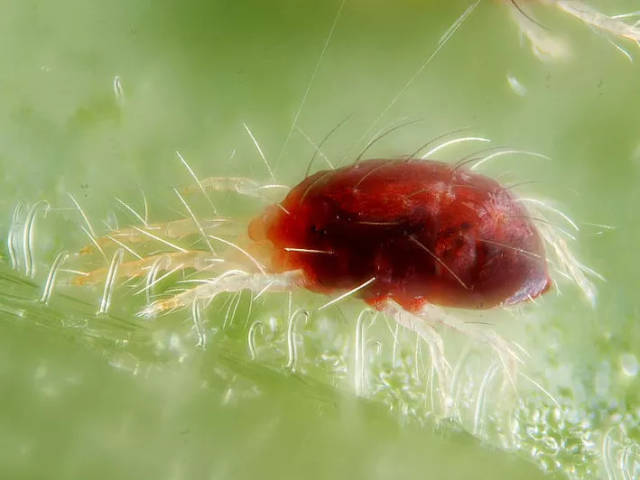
(423, 326)
(482, 334)
(240, 185)
(230, 281)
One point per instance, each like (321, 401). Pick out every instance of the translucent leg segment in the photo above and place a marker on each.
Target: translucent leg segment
(544, 45)
(240, 185)
(423, 326)
(547, 46)
(424, 323)
(196, 259)
(230, 281)
(172, 230)
(479, 333)
(591, 16)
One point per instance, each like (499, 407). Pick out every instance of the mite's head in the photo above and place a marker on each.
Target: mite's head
(260, 225)
(288, 226)
(272, 230)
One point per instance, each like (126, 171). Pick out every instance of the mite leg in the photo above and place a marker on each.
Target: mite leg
(178, 229)
(569, 265)
(175, 229)
(196, 259)
(159, 232)
(423, 326)
(240, 185)
(505, 351)
(590, 16)
(543, 44)
(230, 281)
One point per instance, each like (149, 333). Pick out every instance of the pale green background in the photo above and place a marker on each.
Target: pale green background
(192, 72)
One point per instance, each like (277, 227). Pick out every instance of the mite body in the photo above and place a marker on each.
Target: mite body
(413, 231)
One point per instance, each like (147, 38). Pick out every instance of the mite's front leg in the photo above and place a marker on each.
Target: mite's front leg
(239, 185)
(230, 281)
(189, 259)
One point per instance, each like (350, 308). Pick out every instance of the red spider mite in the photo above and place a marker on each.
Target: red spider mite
(418, 231)
(406, 235)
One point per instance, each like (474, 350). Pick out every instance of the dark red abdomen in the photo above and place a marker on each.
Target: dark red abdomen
(424, 230)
